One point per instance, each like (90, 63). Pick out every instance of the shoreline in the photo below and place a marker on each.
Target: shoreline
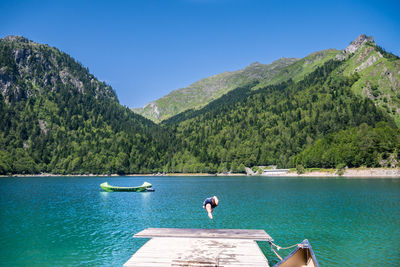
(348, 173)
(352, 173)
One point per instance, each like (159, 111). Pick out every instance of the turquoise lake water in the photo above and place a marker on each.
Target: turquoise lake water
(70, 221)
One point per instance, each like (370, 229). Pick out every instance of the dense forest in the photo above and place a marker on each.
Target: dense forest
(358, 146)
(55, 117)
(273, 124)
(83, 136)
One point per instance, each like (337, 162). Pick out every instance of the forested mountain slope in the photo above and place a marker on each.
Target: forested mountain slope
(272, 124)
(56, 117)
(204, 91)
(298, 70)
(201, 93)
(332, 108)
(354, 147)
(28, 68)
(379, 73)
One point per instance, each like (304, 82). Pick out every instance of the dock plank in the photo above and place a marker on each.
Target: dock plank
(252, 234)
(186, 251)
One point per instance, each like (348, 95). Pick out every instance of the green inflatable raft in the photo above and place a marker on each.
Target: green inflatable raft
(109, 188)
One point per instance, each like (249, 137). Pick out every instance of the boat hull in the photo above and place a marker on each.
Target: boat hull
(109, 188)
(302, 256)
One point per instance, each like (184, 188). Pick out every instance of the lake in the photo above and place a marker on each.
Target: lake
(70, 221)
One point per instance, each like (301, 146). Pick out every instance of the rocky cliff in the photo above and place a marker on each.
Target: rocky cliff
(28, 68)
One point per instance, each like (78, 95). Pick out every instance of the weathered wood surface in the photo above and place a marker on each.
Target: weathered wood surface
(258, 235)
(176, 251)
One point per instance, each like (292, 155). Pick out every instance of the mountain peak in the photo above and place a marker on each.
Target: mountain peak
(28, 68)
(16, 38)
(359, 41)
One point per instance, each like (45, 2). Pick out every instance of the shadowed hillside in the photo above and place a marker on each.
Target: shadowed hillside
(57, 117)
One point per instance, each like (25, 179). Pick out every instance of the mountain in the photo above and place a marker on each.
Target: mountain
(199, 94)
(29, 68)
(204, 91)
(378, 70)
(57, 117)
(298, 70)
(274, 124)
(332, 108)
(379, 73)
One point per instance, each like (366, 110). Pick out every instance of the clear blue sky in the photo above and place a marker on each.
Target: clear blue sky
(145, 49)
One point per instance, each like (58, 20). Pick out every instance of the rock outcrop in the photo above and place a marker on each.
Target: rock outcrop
(28, 68)
(358, 42)
(354, 46)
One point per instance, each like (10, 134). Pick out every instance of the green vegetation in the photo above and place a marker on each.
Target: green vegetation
(341, 168)
(298, 70)
(271, 125)
(200, 93)
(358, 146)
(378, 70)
(85, 135)
(379, 73)
(56, 117)
(386, 54)
(300, 169)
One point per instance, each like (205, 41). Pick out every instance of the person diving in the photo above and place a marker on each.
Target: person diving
(210, 204)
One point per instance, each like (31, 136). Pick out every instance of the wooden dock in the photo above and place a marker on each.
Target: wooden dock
(200, 247)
